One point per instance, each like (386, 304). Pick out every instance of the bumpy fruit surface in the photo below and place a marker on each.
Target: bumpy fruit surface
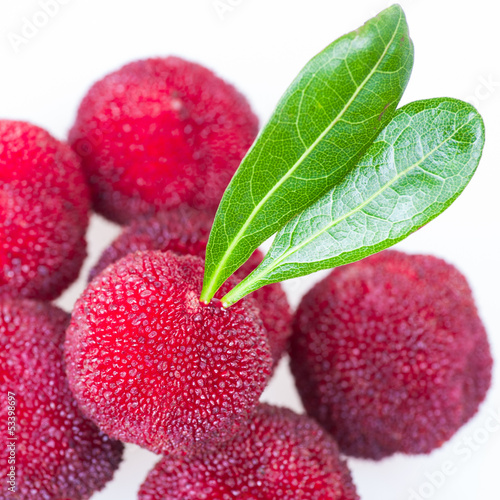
(389, 354)
(160, 132)
(57, 453)
(182, 230)
(279, 455)
(185, 231)
(44, 204)
(154, 366)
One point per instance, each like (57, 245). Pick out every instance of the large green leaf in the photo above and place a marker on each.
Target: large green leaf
(414, 170)
(323, 123)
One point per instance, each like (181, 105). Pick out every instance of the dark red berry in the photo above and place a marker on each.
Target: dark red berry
(182, 230)
(185, 231)
(44, 204)
(154, 366)
(280, 455)
(57, 453)
(161, 132)
(389, 354)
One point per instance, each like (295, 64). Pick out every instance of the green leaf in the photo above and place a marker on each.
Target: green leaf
(323, 123)
(414, 170)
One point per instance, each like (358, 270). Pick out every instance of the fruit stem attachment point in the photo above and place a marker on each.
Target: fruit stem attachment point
(251, 283)
(206, 296)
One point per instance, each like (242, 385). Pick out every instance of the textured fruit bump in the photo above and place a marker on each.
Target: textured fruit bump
(160, 132)
(58, 452)
(389, 354)
(185, 231)
(44, 204)
(279, 455)
(153, 366)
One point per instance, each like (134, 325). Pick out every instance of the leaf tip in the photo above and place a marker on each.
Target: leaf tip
(396, 7)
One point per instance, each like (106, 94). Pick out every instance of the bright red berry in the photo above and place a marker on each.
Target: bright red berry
(389, 354)
(274, 309)
(185, 231)
(161, 132)
(44, 204)
(154, 366)
(57, 453)
(279, 455)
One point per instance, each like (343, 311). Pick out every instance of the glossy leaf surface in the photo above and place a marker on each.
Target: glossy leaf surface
(322, 125)
(413, 171)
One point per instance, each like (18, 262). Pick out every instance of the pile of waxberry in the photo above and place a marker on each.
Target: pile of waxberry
(389, 354)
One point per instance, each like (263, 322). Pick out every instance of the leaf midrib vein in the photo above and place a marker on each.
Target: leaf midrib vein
(359, 207)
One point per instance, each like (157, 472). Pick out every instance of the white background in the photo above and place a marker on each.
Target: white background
(260, 45)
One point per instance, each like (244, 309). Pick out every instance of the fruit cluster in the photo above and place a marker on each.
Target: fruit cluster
(389, 354)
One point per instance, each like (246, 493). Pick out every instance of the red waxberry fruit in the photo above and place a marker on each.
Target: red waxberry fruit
(44, 205)
(185, 231)
(161, 132)
(57, 453)
(279, 455)
(182, 230)
(389, 354)
(154, 366)
(274, 309)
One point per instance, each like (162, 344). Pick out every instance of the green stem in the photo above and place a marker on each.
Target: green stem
(206, 295)
(242, 289)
